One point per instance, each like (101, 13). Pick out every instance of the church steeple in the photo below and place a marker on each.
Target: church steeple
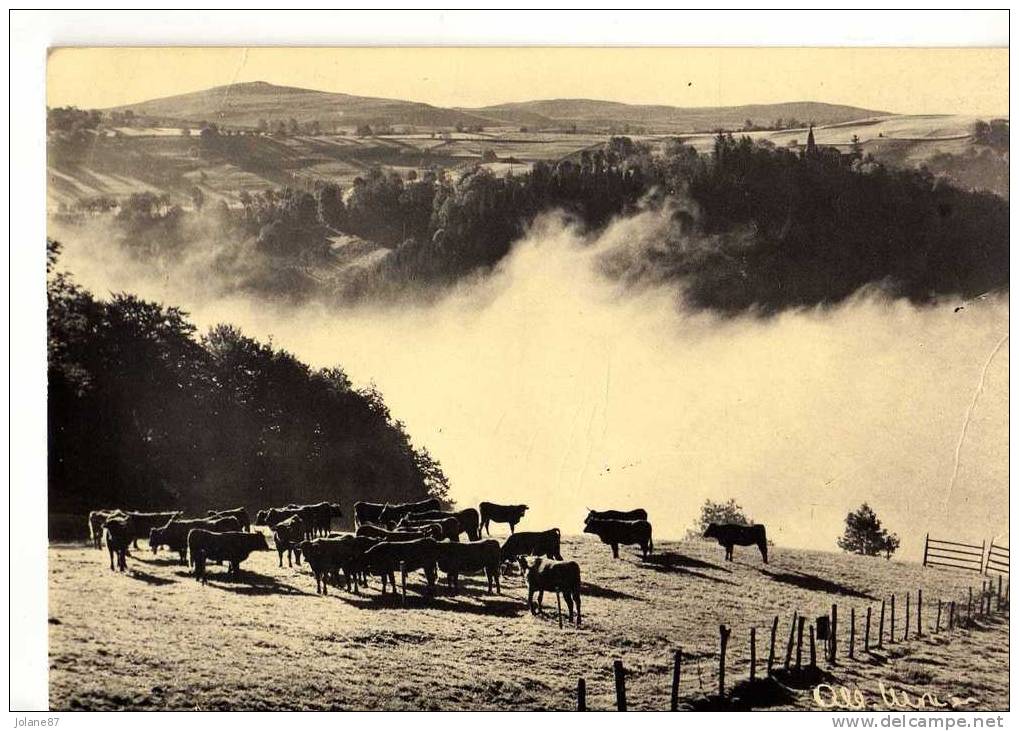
(811, 147)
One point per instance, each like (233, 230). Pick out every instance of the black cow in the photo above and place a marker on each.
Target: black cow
(365, 512)
(491, 512)
(118, 539)
(635, 514)
(449, 527)
(627, 532)
(319, 516)
(373, 531)
(287, 536)
(558, 576)
(239, 513)
(174, 534)
(462, 558)
(532, 543)
(95, 524)
(468, 519)
(730, 534)
(233, 547)
(392, 512)
(271, 517)
(385, 558)
(141, 523)
(327, 556)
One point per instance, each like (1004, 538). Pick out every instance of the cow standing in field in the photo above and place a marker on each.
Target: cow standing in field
(318, 516)
(386, 558)
(328, 556)
(96, 519)
(730, 534)
(234, 547)
(627, 532)
(141, 523)
(558, 576)
(239, 513)
(449, 527)
(532, 543)
(174, 534)
(118, 539)
(467, 518)
(287, 536)
(394, 512)
(635, 514)
(373, 531)
(461, 558)
(492, 512)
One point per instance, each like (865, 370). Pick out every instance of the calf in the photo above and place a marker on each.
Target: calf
(287, 536)
(118, 539)
(233, 547)
(492, 512)
(530, 543)
(448, 527)
(174, 534)
(627, 532)
(327, 556)
(730, 534)
(385, 558)
(558, 576)
(240, 514)
(467, 518)
(461, 558)
(95, 524)
(636, 514)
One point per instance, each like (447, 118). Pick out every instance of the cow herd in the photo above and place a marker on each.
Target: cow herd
(390, 538)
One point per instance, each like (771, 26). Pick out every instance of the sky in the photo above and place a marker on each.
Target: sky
(907, 81)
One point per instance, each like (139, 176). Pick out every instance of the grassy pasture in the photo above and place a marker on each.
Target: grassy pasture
(155, 639)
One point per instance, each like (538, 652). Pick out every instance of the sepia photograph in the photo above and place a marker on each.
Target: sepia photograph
(526, 378)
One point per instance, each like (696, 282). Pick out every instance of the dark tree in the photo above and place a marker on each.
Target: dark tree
(865, 535)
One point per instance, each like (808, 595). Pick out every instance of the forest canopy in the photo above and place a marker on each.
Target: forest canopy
(146, 413)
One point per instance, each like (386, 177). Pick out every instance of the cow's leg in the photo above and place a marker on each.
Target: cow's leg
(541, 598)
(513, 527)
(615, 550)
(280, 552)
(764, 551)
(111, 556)
(569, 604)
(498, 589)
(530, 600)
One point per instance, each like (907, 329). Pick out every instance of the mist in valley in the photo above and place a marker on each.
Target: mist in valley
(572, 376)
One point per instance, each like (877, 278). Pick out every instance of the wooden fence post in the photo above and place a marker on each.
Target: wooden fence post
(905, 635)
(881, 627)
(771, 645)
(581, 695)
(891, 626)
(789, 647)
(617, 670)
(919, 615)
(753, 653)
(866, 632)
(677, 659)
(969, 604)
(833, 637)
(999, 592)
(926, 543)
(937, 623)
(799, 643)
(813, 652)
(723, 636)
(951, 614)
(983, 596)
(852, 631)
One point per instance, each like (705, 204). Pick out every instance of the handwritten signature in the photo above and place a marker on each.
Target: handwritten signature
(846, 698)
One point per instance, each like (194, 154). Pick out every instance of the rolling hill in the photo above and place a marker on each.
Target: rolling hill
(591, 112)
(244, 105)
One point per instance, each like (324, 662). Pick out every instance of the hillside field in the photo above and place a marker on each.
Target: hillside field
(153, 638)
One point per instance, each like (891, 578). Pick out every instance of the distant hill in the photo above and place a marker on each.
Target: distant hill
(243, 105)
(594, 113)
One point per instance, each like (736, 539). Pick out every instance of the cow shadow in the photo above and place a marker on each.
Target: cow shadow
(247, 583)
(493, 606)
(672, 560)
(149, 578)
(601, 592)
(164, 560)
(816, 583)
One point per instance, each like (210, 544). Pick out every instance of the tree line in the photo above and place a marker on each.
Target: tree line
(144, 413)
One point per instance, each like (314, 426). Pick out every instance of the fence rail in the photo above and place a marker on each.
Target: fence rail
(997, 559)
(955, 555)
